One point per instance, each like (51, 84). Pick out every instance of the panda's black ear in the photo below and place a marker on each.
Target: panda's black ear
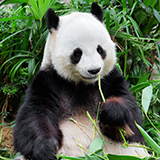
(97, 11)
(52, 19)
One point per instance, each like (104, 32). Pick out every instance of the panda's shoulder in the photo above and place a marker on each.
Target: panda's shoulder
(114, 74)
(47, 75)
(45, 80)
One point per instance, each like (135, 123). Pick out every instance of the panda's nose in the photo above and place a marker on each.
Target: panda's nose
(94, 71)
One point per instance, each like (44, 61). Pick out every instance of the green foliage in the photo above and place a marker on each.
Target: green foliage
(22, 39)
(96, 144)
(134, 26)
(149, 140)
(146, 97)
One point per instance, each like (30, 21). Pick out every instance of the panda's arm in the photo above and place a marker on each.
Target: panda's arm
(36, 133)
(120, 109)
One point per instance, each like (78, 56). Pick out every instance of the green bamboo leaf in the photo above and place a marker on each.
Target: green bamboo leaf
(43, 7)
(141, 16)
(20, 51)
(96, 144)
(40, 2)
(73, 158)
(149, 25)
(130, 3)
(133, 7)
(143, 57)
(26, 37)
(35, 68)
(149, 3)
(126, 26)
(13, 1)
(97, 158)
(146, 97)
(122, 157)
(149, 140)
(158, 49)
(15, 68)
(119, 68)
(40, 40)
(107, 18)
(13, 35)
(17, 56)
(3, 150)
(122, 53)
(124, 6)
(156, 14)
(5, 158)
(34, 8)
(14, 18)
(115, 19)
(136, 27)
(39, 7)
(120, 34)
(100, 152)
(87, 157)
(47, 5)
(144, 78)
(31, 67)
(140, 86)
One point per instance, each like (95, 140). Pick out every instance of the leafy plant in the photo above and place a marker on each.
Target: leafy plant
(22, 39)
(134, 26)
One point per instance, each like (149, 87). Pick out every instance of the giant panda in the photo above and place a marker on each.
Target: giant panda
(78, 49)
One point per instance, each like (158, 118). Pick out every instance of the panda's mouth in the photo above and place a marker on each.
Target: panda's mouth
(90, 78)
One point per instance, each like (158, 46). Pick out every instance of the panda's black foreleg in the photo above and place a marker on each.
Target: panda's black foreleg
(36, 133)
(120, 109)
(114, 114)
(117, 113)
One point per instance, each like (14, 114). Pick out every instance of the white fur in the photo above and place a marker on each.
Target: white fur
(47, 53)
(74, 134)
(79, 30)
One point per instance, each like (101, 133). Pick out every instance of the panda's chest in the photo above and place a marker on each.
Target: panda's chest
(75, 125)
(75, 101)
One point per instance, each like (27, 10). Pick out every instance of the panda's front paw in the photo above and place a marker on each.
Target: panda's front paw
(114, 114)
(40, 148)
(44, 149)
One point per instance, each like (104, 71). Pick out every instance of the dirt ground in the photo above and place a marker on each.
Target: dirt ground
(6, 138)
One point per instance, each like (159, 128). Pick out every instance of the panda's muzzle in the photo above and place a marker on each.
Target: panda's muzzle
(90, 78)
(93, 74)
(94, 71)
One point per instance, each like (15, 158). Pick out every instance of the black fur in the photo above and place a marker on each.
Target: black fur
(52, 19)
(50, 99)
(76, 56)
(97, 11)
(117, 114)
(94, 71)
(101, 51)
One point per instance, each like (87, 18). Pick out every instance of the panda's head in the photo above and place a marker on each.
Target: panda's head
(79, 46)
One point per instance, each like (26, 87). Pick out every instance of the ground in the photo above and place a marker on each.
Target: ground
(6, 138)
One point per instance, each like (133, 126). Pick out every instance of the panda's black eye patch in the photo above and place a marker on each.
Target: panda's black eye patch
(101, 51)
(76, 56)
